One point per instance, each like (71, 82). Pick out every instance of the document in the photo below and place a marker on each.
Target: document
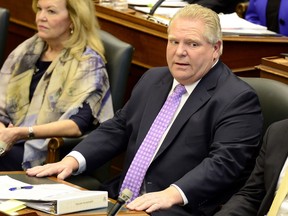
(231, 24)
(52, 198)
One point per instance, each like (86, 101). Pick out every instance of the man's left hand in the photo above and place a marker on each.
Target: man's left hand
(154, 201)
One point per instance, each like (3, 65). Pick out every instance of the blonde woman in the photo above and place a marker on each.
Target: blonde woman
(53, 84)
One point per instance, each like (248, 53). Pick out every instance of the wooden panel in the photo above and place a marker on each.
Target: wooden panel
(20, 10)
(22, 25)
(148, 38)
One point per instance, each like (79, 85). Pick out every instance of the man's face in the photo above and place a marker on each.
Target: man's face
(189, 55)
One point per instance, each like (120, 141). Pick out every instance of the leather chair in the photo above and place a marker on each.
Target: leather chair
(4, 22)
(119, 56)
(273, 97)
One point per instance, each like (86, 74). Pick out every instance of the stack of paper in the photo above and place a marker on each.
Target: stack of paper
(231, 24)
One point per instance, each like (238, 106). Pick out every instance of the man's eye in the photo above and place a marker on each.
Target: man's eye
(192, 44)
(173, 42)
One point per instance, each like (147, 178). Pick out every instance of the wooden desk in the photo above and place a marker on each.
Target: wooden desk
(274, 67)
(149, 40)
(21, 176)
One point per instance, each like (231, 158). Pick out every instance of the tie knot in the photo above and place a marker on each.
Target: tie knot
(179, 90)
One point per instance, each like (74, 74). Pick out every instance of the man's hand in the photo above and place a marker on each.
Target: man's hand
(62, 169)
(154, 201)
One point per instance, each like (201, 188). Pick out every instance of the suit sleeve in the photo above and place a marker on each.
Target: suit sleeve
(247, 201)
(256, 197)
(234, 142)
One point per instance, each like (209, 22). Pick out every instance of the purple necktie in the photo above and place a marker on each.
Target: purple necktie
(137, 170)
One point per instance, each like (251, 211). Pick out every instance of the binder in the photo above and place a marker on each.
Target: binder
(70, 202)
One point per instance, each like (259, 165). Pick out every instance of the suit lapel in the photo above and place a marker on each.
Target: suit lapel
(157, 97)
(280, 153)
(201, 94)
(281, 156)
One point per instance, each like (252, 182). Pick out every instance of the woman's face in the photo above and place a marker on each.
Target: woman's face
(53, 21)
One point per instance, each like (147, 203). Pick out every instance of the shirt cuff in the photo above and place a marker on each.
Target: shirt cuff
(81, 161)
(185, 200)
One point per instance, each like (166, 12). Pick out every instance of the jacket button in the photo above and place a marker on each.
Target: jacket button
(282, 22)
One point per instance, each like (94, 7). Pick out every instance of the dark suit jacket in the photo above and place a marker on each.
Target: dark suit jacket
(207, 151)
(219, 6)
(256, 197)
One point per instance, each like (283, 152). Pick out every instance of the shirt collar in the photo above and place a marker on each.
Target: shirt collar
(191, 87)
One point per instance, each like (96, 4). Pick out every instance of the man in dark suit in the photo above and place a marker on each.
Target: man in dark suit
(207, 151)
(256, 197)
(219, 6)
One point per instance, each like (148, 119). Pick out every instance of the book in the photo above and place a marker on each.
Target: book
(54, 199)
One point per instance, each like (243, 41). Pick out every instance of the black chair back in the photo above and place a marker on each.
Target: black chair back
(119, 56)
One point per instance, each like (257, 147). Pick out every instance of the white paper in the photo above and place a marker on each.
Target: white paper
(231, 24)
(7, 182)
(233, 21)
(38, 192)
(163, 11)
(167, 3)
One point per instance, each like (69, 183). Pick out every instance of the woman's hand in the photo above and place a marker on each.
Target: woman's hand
(12, 134)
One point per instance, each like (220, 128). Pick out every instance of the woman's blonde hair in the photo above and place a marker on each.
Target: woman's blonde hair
(85, 27)
(211, 20)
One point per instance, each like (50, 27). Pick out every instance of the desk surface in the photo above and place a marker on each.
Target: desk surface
(21, 176)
